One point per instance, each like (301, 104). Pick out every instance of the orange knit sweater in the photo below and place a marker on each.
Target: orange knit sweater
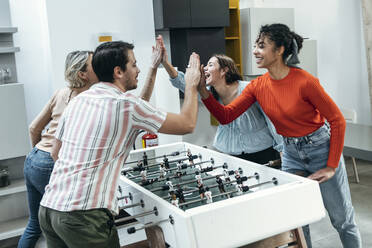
(297, 105)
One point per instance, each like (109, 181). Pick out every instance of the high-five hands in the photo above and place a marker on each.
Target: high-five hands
(202, 88)
(157, 52)
(192, 75)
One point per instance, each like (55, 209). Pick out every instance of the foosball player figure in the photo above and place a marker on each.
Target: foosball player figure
(174, 199)
(219, 181)
(208, 195)
(162, 171)
(178, 174)
(139, 165)
(239, 189)
(166, 162)
(226, 175)
(179, 194)
(149, 181)
(179, 165)
(143, 174)
(237, 177)
(145, 162)
(201, 190)
(191, 159)
(170, 184)
(198, 177)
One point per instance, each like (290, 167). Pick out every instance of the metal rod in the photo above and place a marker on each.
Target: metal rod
(172, 169)
(147, 225)
(256, 175)
(157, 164)
(200, 200)
(274, 181)
(154, 211)
(141, 203)
(187, 182)
(176, 153)
(125, 196)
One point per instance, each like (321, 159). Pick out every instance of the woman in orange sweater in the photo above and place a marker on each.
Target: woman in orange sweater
(299, 107)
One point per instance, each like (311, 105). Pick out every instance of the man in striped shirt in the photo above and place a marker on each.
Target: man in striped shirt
(93, 140)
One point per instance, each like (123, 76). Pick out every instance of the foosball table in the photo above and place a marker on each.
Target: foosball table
(203, 198)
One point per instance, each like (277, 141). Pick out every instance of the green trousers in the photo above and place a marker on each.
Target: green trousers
(78, 229)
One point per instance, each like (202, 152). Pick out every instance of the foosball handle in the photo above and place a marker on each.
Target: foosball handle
(275, 163)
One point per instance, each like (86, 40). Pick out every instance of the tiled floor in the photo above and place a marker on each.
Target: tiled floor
(324, 235)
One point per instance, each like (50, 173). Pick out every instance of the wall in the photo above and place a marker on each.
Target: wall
(49, 30)
(337, 27)
(33, 61)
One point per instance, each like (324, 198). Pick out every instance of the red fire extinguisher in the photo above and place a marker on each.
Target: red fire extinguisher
(149, 139)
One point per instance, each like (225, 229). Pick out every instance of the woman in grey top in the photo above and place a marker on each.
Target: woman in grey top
(252, 136)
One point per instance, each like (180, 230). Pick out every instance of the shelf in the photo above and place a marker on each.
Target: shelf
(232, 38)
(8, 30)
(16, 186)
(10, 84)
(13, 228)
(9, 49)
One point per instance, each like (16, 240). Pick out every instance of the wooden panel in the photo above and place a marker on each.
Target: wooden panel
(233, 29)
(233, 34)
(233, 50)
(234, 4)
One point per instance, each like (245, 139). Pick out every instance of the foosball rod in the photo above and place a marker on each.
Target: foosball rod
(166, 187)
(243, 179)
(274, 163)
(204, 170)
(154, 211)
(201, 200)
(124, 197)
(244, 188)
(174, 168)
(157, 164)
(132, 230)
(141, 203)
(176, 153)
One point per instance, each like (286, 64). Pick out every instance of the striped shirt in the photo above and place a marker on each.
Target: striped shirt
(97, 130)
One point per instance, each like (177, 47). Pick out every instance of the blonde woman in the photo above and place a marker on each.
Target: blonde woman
(39, 164)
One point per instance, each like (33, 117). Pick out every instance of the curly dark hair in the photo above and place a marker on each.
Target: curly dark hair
(281, 35)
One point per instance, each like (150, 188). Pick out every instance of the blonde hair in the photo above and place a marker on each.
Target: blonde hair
(76, 61)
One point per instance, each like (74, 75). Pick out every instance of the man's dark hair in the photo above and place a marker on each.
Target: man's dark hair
(109, 55)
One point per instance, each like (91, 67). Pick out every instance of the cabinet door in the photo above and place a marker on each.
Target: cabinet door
(209, 13)
(251, 20)
(172, 14)
(204, 41)
(14, 139)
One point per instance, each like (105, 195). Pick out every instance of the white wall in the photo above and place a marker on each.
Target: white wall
(76, 24)
(49, 30)
(33, 61)
(337, 27)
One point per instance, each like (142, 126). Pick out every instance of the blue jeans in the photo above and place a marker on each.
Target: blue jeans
(308, 154)
(37, 170)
